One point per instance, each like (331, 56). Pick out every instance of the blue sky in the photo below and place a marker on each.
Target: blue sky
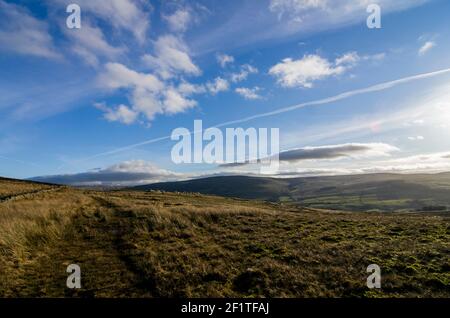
(80, 102)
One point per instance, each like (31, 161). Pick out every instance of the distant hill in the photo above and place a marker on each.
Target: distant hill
(384, 192)
(234, 186)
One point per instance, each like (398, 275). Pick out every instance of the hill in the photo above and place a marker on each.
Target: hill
(157, 244)
(382, 192)
(231, 186)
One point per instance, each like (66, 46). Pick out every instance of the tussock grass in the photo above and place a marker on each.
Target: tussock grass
(154, 244)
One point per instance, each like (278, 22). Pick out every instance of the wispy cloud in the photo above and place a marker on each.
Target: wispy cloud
(324, 101)
(22, 33)
(278, 19)
(305, 71)
(180, 20)
(338, 151)
(249, 93)
(218, 85)
(127, 173)
(90, 43)
(224, 59)
(424, 49)
(298, 14)
(244, 72)
(348, 94)
(332, 152)
(121, 113)
(171, 58)
(123, 15)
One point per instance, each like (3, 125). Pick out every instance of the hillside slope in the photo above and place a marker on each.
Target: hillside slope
(383, 192)
(231, 186)
(137, 244)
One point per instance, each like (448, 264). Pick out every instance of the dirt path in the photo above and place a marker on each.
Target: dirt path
(93, 240)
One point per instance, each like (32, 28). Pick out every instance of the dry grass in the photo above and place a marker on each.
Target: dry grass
(135, 244)
(13, 188)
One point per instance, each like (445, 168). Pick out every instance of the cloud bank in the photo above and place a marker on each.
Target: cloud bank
(123, 174)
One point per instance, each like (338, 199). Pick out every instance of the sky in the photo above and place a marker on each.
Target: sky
(98, 104)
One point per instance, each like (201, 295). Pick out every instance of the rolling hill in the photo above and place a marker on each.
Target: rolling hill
(381, 192)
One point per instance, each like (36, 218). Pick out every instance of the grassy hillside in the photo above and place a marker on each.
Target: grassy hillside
(380, 192)
(12, 188)
(154, 244)
(233, 186)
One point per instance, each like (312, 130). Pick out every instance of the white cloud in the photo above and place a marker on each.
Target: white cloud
(180, 20)
(21, 33)
(324, 160)
(161, 91)
(121, 114)
(188, 89)
(130, 15)
(224, 59)
(244, 72)
(282, 6)
(353, 150)
(424, 49)
(422, 163)
(126, 173)
(148, 95)
(171, 58)
(349, 58)
(303, 72)
(249, 93)
(332, 152)
(174, 102)
(119, 76)
(218, 85)
(89, 42)
(137, 166)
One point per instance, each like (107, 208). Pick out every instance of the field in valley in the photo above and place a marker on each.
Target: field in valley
(159, 244)
(359, 193)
